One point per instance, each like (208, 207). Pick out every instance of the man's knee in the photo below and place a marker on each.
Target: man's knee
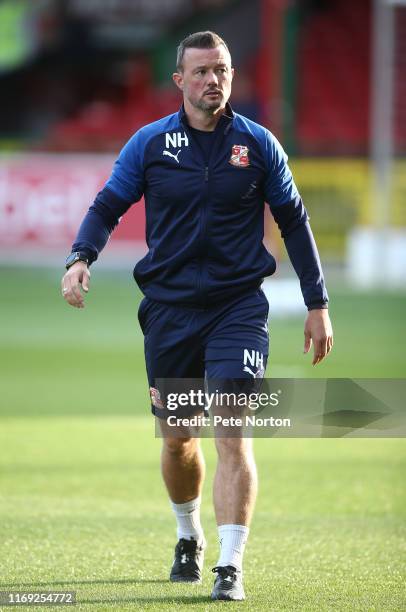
(180, 447)
(234, 449)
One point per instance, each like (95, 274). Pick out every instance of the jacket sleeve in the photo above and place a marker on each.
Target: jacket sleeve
(293, 221)
(124, 187)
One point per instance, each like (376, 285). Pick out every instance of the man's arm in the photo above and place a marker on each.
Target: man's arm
(124, 187)
(293, 221)
(99, 222)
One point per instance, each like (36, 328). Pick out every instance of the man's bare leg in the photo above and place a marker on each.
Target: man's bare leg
(235, 481)
(234, 493)
(183, 471)
(182, 465)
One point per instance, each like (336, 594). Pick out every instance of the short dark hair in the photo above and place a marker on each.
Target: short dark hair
(198, 40)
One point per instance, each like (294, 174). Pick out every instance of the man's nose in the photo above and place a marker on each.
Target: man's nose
(213, 78)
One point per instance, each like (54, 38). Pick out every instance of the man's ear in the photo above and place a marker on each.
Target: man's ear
(177, 78)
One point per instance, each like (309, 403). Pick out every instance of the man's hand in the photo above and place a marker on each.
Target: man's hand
(319, 331)
(77, 277)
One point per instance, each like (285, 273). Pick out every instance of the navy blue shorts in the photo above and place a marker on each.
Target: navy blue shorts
(226, 341)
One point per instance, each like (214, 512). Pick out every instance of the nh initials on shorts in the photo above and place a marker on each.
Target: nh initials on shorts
(253, 358)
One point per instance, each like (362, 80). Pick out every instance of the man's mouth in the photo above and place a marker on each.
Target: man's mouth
(213, 93)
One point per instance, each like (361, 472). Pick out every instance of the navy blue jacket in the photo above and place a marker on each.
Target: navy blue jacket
(205, 220)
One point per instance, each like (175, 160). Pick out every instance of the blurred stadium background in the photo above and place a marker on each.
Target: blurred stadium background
(77, 78)
(326, 76)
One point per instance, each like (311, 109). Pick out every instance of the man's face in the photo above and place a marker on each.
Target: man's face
(206, 78)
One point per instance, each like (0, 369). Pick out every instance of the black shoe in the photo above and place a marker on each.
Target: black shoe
(188, 563)
(228, 584)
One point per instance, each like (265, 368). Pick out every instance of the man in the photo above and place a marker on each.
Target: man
(205, 173)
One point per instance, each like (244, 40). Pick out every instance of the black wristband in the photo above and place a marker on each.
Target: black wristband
(74, 257)
(321, 306)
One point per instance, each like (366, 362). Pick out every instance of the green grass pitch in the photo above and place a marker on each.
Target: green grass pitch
(82, 505)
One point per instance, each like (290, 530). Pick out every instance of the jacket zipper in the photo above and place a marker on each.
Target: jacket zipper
(203, 222)
(202, 234)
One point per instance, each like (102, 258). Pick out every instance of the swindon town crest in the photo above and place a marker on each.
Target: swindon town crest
(156, 398)
(239, 156)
